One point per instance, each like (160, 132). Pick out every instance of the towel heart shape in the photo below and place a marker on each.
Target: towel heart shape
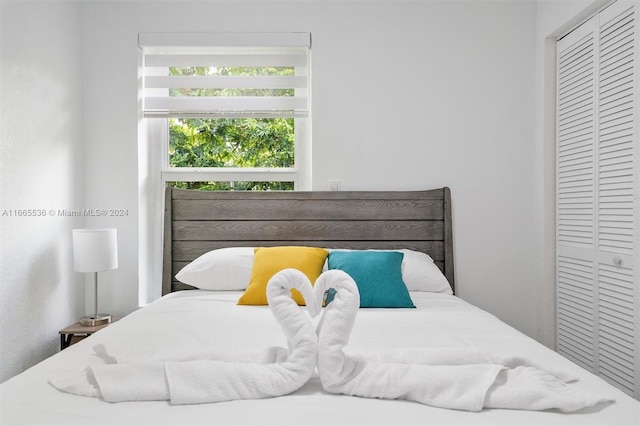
(460, 378)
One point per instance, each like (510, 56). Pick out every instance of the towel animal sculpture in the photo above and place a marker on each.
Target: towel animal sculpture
(455, 378)
(199, 379)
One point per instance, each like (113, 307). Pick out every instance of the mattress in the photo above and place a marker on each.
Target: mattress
(205, 320)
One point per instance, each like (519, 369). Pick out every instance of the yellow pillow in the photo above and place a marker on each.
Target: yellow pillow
(267, 261)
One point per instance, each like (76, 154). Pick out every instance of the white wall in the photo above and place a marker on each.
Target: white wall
(447, 100)
(406, 95)
(41, 168)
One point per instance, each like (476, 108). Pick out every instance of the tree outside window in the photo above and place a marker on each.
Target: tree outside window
(232, 142)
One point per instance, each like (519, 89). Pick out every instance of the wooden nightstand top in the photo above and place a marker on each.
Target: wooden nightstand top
(77, 328)
(76, 332)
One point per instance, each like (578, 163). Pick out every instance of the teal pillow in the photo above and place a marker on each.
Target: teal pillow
(377, 274)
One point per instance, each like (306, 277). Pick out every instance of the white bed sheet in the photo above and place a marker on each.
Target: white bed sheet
(205, 320)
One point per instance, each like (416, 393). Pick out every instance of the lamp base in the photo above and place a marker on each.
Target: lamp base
(96, 320)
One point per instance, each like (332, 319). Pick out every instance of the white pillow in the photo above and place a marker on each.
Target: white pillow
(420, 273)
(222, 269)
(230, 269)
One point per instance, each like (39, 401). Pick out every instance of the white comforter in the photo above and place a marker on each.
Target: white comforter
(211, 321)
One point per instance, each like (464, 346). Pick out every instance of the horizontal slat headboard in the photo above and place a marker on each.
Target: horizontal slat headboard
(200, 221)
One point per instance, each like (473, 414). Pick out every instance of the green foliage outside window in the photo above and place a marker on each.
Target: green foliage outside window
(232, 142)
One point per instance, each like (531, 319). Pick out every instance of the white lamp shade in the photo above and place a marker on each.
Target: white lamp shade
(95, 250)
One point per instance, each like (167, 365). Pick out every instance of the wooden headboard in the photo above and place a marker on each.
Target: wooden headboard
(200, 221)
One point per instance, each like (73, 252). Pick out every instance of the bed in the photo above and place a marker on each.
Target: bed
(206, 318)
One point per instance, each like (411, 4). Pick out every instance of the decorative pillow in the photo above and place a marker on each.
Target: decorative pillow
(377, 274)
(270, 260)
(222, 269)
(420, 273)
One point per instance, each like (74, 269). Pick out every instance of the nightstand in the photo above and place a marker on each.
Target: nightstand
(76, 332)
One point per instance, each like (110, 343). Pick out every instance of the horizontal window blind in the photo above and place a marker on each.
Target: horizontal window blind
(260, 75)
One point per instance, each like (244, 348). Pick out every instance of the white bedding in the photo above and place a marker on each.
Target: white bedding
(206, 321)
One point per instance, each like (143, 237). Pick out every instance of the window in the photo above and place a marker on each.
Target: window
(219, 111)
(234, 107)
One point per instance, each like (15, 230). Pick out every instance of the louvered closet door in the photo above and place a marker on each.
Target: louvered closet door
(576, 195)
(597, 192)
(617, 331)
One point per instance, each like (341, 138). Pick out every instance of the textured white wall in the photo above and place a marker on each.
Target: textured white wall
(447, 99)
(406, 95)
(41, 168)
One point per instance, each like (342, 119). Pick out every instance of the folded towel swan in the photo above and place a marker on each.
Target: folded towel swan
(455, 378)
(200, 380)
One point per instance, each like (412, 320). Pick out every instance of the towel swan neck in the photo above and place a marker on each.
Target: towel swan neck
(334, 327)
(288, 314)
(342, 311)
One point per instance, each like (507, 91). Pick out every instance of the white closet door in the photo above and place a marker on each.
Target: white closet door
(597, 195)
(617, 331)
(576, 195)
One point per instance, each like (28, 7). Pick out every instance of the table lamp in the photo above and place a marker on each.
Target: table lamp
(95, 250)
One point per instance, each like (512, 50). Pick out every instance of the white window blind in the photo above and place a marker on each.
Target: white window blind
(256, 93)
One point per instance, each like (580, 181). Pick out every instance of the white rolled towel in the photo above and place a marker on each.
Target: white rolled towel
(428, 380)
